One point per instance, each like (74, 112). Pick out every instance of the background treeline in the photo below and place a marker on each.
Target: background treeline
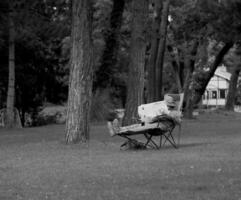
(183, 43)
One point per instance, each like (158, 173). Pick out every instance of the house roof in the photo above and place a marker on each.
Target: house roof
(215, 84)
(211, 86)
(222, 72)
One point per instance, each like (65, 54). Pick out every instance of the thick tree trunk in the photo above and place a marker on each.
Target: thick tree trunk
(10, 122)
(232, 88)
(151, 78)
(188, 85)
(177, 76)
(137, 62)
(109, 57)
(81, 75)
(204, 80)
(161, 50)
(190, 64)
(176, 68)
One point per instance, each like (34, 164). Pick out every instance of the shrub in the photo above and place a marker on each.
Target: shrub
(51, 114)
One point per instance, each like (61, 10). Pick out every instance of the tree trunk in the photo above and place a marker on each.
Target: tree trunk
(176, 68)
(81, 74)
(109, 57)
(204, 80)
(232, 88)
(151, 78)
(137, 55)
(188, 85)
(189, 64)
(10, 123)
(161, 50)
(177, 75)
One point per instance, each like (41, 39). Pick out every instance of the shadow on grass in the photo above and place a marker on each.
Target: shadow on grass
(166, 147)
(185, 145)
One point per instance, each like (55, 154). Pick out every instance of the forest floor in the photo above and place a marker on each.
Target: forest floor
(36, 164)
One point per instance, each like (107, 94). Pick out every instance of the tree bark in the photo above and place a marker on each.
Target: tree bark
(151, 78)
(176, 68)
(81, 74)
(10, 122)
(204, 80)
(109, 57)
(232, 88)
(137, 63)
(189, 64)
(161, 50)
(188, 85)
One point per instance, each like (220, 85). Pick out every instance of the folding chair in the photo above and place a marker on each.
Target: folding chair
(168, 135)
(161, 126)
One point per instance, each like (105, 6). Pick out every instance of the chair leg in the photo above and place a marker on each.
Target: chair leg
(169, 137)
(173, 140)
(149, 139)
(128, 139)
(160, 141)
(179, 135)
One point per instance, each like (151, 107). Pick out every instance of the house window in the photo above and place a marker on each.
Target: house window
(214, 94)
(222, 94)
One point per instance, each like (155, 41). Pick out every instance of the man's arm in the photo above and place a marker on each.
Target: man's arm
(176, 116)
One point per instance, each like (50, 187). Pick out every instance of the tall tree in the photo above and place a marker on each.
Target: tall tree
(188, 85)
(176, 68)
(225, 14)
(12, 119)
(186, 31)
(161, 50)
(109, 57)
(232, 88)
(137, 59)
(151, 69)
(236, 61)
(204, 78)
(81, 74)
(38, 31)
(199, 21)
(11, 73)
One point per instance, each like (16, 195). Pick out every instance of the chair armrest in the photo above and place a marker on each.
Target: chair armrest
(164, 118)
(160, 118)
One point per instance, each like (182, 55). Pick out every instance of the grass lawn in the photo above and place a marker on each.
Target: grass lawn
(36, 164)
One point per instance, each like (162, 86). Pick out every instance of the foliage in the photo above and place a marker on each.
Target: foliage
(49, 114)
(101, 19)
(43, 47)
(40, 69)
(212, 24)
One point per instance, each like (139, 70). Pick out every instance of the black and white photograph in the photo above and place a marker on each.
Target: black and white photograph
(120, 99)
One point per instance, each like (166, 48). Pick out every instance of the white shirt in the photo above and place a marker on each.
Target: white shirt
(148, 111)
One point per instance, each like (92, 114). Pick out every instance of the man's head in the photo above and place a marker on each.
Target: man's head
(169, 102)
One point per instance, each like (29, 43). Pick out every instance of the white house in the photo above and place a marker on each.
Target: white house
(217, 89)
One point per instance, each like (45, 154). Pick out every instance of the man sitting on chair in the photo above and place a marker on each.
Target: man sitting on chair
(149, 114)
